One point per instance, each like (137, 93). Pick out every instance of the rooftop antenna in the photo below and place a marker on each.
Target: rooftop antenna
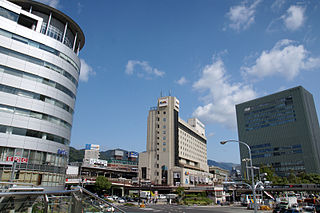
(169, 92)
(161, 94)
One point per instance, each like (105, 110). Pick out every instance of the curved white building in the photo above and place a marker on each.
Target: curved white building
(39, 72)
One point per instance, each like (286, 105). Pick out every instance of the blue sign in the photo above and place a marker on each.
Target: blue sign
(133, 154)
(62, 152)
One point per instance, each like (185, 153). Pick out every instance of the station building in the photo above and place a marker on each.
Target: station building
(39, 73)
(176, 153)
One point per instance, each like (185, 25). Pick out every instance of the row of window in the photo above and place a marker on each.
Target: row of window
(39, 62)
(36, 178)
(26, 156)
(40, 46)
(33, 133)
(296, 146)
(297, 151)
(271, 124)
(280, 101)
(36, 96)
(37, 78)
(56, 33)
(34, 114)
(281, 112)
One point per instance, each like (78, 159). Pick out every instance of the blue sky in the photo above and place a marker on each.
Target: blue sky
(210, 54)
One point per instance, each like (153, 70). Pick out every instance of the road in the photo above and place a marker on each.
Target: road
(187, 209)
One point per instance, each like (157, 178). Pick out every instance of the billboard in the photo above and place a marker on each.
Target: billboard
(133, 154)
(163, 102)
(92, 147)
(118, 153)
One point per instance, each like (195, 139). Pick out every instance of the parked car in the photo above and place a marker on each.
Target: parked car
(110, 198)
(121, 200)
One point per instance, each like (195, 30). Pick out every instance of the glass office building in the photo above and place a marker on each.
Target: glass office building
(282, 131)
(39, 72)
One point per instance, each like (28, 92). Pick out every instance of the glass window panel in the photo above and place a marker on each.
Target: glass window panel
(7, 109)
(19, 131)
(18, 152)
(9, 14)
(23, 112)
(25, 153)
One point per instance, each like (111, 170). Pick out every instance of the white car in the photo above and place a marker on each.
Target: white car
(109, 198)
(120, 200)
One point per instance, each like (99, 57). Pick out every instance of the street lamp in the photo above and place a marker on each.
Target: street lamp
(251, 167)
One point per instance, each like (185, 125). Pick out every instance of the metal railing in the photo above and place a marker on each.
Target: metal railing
(68, 201)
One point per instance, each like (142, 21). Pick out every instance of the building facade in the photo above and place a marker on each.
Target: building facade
(219, 175)
(120, 159)
(176, 150)
(39, 72)
(282, 130)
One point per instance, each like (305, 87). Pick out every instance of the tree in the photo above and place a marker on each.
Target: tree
(102, 184)
(180, 192)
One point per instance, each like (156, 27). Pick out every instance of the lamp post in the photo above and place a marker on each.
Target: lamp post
(251, 167)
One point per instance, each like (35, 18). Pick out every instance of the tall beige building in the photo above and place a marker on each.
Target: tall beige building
(176, 150)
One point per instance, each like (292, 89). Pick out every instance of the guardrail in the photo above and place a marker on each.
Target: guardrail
(68, 201)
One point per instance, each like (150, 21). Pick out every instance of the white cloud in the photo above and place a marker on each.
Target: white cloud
(294, 18)
(85, 71)
(221, 95)
(242, 16)
(182, 81)
(286, 59)
(277, 4)
(51, 3)
(145, 71)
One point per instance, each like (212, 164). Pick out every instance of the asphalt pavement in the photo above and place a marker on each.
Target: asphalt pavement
(188, 209)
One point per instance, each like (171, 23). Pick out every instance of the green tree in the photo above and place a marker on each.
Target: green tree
(102, 184)
(180, 192)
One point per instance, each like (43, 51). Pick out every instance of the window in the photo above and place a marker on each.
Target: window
(164, 126)
(157, 157)
(164, 119)
(164, 138)
(164, 132)
(164, 143)
(164, 112)
(9, 14)
(164, 149)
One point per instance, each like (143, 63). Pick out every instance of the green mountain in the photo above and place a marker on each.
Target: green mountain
(76, 155)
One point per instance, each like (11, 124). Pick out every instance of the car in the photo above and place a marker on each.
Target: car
(121, 200)
(309, 208)
(110, 198)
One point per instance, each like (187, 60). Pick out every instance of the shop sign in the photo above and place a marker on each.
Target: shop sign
(163, 102)
(92, 147)
(17, 159)
(62, 152)
(133, 154)
(118, 153)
